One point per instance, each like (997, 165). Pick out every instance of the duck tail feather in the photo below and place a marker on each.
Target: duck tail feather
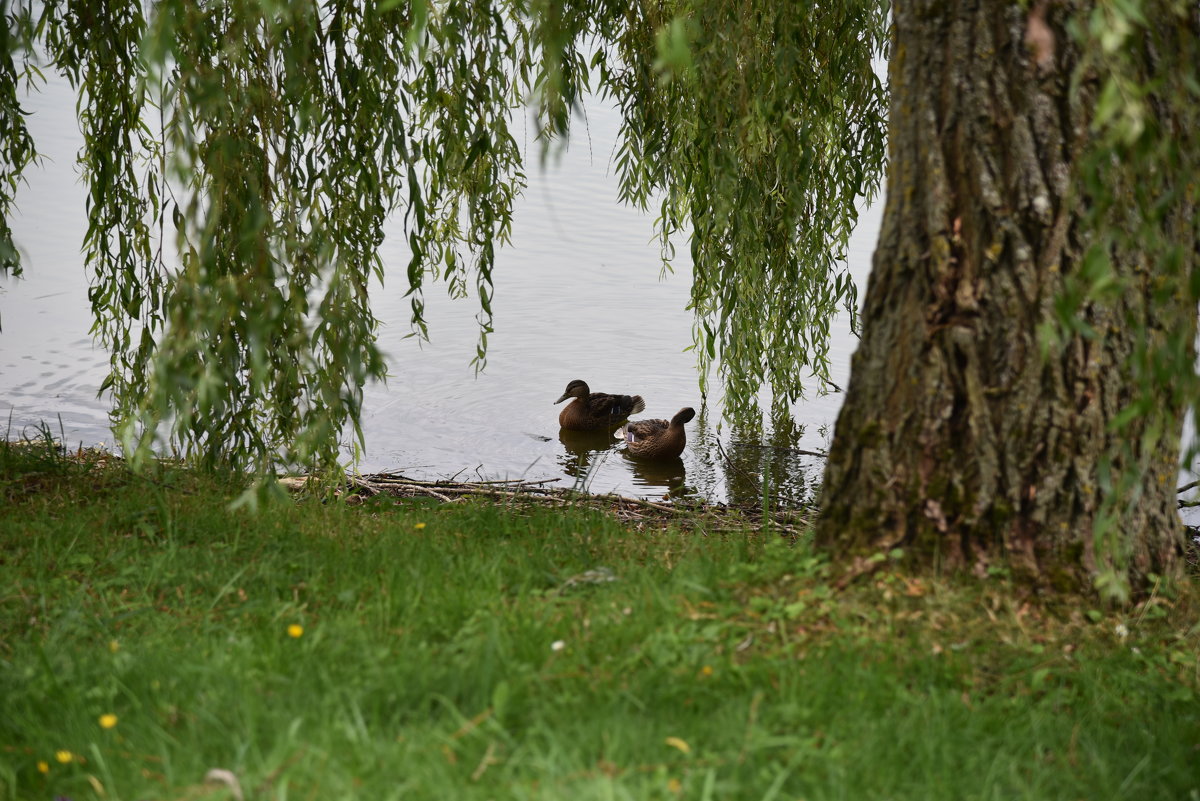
(639, 405)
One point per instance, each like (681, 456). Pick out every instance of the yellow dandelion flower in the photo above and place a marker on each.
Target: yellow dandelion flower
(114, 646)
(108, 721)
(43, 766)
(674, 785)
(706, 671)
(295, 630)
(419, 526)
(64, 756)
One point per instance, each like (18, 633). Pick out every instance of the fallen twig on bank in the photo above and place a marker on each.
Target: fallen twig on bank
(637, 511)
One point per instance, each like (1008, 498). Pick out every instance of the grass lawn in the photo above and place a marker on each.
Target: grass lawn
(149, 634)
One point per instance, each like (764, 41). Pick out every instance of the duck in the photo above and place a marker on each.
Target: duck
(596, 411)
(658, 439)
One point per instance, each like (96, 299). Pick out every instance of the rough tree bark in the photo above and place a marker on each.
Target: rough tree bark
(958, 441)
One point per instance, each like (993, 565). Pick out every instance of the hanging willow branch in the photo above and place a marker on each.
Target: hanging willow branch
(761, 126)
(271, 144)
(17, 148)
(242, 159)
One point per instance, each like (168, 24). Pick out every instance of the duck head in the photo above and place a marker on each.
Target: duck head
(575, 389)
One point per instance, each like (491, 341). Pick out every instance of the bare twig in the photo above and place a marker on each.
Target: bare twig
(714, 518)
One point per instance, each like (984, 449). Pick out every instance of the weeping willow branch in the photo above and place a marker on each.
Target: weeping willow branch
(17, 149)
(759, 147)
(242, 161)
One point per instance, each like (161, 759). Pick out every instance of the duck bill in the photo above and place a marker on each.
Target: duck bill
(560, 400)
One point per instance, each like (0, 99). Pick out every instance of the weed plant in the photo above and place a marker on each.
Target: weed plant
(149, 633)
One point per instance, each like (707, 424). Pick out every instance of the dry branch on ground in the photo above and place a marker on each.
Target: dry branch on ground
(516, 492)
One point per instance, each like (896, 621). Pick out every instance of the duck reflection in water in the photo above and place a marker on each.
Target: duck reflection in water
(580, 449)
(667, 474)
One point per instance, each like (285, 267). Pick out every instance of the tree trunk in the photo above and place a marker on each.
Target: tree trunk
(961, 440)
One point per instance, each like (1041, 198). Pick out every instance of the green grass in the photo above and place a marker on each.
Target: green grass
(714, 667)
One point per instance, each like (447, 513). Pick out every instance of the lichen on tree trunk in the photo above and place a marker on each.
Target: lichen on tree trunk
(961, 439)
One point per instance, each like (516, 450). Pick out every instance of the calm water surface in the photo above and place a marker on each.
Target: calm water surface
(578, 295)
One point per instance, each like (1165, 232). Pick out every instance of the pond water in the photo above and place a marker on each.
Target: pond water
(578, 295)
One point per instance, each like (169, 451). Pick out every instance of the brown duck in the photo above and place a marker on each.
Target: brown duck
(658, 439)
(596, 411)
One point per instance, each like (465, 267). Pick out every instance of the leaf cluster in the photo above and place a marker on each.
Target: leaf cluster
(17, 148)
(757, 129)
(242, 159)
(1139, 184)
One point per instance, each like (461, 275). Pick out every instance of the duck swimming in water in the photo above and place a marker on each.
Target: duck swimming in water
(658, 439)
(596, 411)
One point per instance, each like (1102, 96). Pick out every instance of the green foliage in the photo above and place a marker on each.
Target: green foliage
(17, 148)
(269, 143)
(444, 652)
(30, 457)
(757, 128)
(1140, 190)
(242, 158)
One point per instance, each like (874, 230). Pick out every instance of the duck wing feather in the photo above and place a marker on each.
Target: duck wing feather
(601, 405)
(641, 430)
